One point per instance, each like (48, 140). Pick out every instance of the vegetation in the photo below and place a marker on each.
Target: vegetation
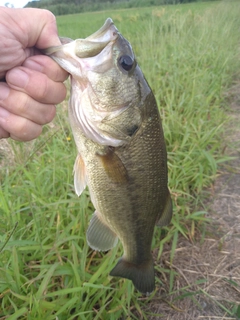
(189, 55)
(60, 7)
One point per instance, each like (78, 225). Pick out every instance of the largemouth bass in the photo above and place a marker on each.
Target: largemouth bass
(121, 150)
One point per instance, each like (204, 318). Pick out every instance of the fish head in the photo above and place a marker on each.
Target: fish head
(106, 79)
(113, 76)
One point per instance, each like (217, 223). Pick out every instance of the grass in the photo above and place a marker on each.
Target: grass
(189, 54)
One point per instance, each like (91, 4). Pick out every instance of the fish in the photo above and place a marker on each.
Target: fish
(122, 155)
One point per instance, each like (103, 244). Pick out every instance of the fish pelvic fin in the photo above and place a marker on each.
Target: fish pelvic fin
(142, 275)
(80, 176)
(166, 215)
(99, 236)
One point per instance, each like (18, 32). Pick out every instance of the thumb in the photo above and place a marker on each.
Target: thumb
(32, 27)
(41, 28)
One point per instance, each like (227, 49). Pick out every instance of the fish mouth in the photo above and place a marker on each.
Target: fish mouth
(85, 48)
(98, 41)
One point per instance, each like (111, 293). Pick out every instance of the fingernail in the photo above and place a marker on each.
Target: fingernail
(4, 113)
(33, 65)
(18, 78)
(4, 92)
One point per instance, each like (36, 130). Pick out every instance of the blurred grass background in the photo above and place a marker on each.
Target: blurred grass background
(190, 56)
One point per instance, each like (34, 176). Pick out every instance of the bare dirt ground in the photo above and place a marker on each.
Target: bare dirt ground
(208, 279)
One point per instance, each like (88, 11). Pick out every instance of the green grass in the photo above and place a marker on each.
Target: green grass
(189, 54)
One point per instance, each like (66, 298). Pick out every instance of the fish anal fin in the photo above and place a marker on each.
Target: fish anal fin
(142, 275)
(166, 215)
(80, 176)
(99, 236)
(113, 166)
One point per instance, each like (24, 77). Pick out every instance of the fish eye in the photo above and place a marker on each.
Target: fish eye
(126, 62)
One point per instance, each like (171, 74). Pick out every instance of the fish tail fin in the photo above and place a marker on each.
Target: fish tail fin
(141, 275)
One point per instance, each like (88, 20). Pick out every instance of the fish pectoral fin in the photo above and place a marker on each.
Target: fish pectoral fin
(114, 166)
(166, 215)
(99, 236)
(80, 176)
(141, 275)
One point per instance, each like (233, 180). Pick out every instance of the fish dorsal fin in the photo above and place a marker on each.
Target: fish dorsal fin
(80, 176)
(99, 236)
(114, 166)
(166, 215)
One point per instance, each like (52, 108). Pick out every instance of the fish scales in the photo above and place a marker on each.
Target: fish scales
(122, 154)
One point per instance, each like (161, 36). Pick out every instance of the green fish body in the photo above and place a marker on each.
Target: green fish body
(121, 150)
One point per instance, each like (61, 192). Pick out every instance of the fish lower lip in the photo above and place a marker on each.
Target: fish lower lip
(108, 23)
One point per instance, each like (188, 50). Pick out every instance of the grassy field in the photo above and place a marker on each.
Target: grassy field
(190, 56)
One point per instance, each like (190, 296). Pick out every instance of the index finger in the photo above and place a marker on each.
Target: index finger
(36, 84)
(47, 66)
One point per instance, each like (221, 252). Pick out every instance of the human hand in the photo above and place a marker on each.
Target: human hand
(34, 82)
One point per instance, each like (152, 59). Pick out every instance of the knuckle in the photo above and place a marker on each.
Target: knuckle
(61, 74)
(22, 106)
(17, 103)
(4, 134)
(61, 93)
(28, 131)
(49, 115)
(43, 88)
(49, 16)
